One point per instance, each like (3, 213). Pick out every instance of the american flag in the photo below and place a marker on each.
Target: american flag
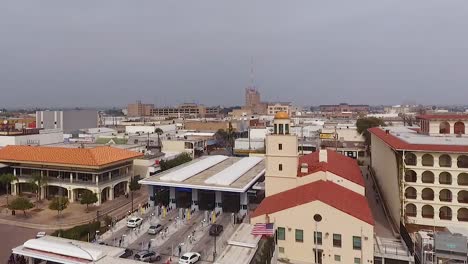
(263, 229)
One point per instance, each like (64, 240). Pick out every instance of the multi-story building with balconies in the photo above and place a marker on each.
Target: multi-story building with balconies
(423, 173)
(70, 172)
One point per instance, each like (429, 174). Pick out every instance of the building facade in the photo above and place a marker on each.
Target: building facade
(253, 101)
(304, 197)
(340, 108)
(187, 110)
(274, 108)
(70, 172)
(68, 120)
(424, 174)
(139, 109)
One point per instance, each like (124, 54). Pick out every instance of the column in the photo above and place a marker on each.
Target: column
(97, 179)
(98, 193)
(43, 192)
(111, 193)
(194, 199)
(172, 197)
(71, 177)
(71, 194)
(110, 176)
(218, 201)
(244, 203)
(13, 188)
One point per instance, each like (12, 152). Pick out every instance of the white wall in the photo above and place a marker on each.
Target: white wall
(44, 138)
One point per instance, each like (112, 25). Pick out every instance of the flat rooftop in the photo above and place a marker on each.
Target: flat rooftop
(241, 246)
(407, 138)
(218, 173)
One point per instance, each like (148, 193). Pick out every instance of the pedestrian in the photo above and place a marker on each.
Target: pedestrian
(180, 250)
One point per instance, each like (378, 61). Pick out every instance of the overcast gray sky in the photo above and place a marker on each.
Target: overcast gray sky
(109, 52)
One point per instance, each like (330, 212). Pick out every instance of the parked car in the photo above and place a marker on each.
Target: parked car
(154, 230)
(134, 221)
(216, 229)
(147, 256)
(189, 258)
(128, 253)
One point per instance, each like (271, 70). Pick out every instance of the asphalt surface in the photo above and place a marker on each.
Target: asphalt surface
(13, 236)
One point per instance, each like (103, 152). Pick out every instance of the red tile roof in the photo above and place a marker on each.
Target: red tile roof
(444, 117)
(93, 157)
(338, 164)
(398, 144)
(327, 192)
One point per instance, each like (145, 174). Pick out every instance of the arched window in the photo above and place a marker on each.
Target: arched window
(427, 211)
(410, 176)
(427, 194)
(462, 179)
(445, 213)
(410, 210)
(445, 161)
(462, 161)
(427, 160)
(462, 215)
(444, 128)
(410, 159)
(410, 193)
(463, 196)
(427, 177)
(445, 195)
(445, 178)
(459, 128)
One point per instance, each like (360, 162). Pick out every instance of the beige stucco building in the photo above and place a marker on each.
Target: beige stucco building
(317, 203)
(423, 173)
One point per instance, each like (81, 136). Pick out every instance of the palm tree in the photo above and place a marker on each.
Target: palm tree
(7, 179)
(38, 181)
(159, 132)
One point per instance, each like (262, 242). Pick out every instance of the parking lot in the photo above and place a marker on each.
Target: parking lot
(178, 233)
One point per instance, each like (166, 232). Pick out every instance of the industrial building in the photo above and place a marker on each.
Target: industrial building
(68, 120)
(218, 183)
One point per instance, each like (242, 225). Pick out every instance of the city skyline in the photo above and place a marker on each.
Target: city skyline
(95, 54)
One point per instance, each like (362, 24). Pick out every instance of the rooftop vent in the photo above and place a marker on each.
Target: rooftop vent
(304, 168)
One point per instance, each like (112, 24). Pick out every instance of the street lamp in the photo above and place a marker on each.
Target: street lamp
(89, 254)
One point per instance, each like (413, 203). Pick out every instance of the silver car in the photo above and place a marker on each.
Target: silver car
(147, 256)
(154, 230)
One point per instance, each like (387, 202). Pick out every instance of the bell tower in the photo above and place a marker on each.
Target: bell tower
(282, 157)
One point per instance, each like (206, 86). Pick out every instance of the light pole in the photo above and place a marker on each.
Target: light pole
(89, 254)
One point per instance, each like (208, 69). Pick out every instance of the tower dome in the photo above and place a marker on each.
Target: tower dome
(281, 115)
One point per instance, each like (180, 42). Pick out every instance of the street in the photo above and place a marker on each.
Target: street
(13, 236)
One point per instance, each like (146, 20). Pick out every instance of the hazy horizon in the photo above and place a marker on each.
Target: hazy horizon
(110, 53)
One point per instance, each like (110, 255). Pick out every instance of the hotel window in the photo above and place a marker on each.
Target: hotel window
(357, 261)
(280, 167)
(318, 238)
(337, 258)
(299, 235)
(280, 146)
(337, 240)
(357, 243)
(281, 233)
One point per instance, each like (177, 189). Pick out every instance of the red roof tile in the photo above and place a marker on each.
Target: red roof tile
(338, 164)
(398, 144)
(98, 156)
(444, 117)
(327, 192)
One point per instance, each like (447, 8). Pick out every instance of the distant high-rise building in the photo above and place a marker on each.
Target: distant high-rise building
(252, 101)
(139, 109)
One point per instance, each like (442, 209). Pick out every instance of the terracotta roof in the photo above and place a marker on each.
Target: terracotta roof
(327, 192)
(398, 144)
(98, 156)
(338, 164)
(444, 117)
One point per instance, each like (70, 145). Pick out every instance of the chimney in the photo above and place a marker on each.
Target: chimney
(323, 155)
(304, 168)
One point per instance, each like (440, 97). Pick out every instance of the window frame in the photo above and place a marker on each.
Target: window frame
(318, 238)
(340, 241)
(280, 146)
(296, 232)
(278, 233)
(280, 167)
(355, 246)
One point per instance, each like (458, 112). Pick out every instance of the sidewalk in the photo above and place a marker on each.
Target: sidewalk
(42, 218)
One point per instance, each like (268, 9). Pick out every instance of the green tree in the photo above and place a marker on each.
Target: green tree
(134, 186)
(21, 203)
(7, 179)
(159, 132)
(37, 182)
(59, 204)
(88, 198)
(363, 124)
(180, 159)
